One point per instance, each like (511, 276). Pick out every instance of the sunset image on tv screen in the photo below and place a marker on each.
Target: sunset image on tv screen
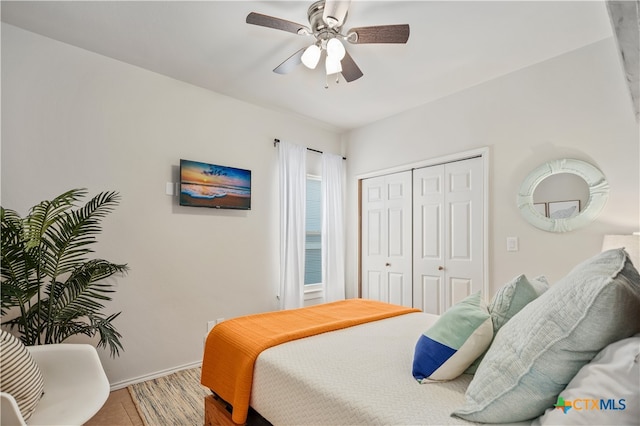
(210, 185)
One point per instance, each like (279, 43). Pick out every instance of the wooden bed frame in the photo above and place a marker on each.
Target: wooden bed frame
(218, 413)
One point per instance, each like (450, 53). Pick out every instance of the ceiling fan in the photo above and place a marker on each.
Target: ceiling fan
(326, 19)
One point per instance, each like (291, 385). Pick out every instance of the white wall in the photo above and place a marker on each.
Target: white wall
(572, 106)
(71, 118)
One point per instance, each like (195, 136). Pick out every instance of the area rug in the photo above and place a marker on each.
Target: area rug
(173, 400)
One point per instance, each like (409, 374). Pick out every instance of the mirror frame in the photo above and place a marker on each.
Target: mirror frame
(598, 194)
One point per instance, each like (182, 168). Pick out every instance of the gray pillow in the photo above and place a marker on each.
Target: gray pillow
(508, 301)
(537, 353)
(513, 296)
(21, 376)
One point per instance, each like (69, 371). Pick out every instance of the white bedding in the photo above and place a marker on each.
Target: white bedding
(356, 376)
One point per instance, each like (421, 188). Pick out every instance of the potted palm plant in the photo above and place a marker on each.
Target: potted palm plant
(49, 278)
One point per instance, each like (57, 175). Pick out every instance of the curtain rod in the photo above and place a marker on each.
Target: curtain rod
(277, 141)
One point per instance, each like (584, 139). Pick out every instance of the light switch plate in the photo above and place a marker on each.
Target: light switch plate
(512, 243)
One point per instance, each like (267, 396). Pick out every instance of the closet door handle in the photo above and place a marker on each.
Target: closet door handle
(440, 268)
(387, 264)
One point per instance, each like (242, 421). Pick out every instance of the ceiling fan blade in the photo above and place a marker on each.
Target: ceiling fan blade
(350, 70)
(277, 23)
(292, 62)
(335, 12)
(379, 34)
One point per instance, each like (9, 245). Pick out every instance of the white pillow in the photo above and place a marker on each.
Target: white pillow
(612, 380)
(21, 376)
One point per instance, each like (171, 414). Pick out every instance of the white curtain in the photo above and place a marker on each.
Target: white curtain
(333, 240)
(293, 188)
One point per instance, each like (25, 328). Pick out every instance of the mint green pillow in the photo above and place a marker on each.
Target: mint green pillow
(537, 353)
(450, 345)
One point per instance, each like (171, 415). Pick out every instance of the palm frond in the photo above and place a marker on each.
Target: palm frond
(109, 337)
(16, 262)
(46, 213)
(76, 230)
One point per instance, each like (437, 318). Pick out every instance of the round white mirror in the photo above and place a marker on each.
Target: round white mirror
(563, 195)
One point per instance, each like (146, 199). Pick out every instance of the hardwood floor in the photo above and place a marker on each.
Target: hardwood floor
(119, 410)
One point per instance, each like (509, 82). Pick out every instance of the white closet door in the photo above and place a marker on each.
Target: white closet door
(386, 239)
(428, 239)
(448, 233)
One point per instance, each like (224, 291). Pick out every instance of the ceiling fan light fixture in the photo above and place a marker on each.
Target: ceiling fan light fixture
(327, 19)
(333, 65)
(311, 56)
(335, 49)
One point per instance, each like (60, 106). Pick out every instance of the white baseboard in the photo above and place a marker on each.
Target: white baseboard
(151, 376)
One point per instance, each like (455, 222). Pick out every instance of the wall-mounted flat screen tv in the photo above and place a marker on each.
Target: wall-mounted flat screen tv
(211, 185)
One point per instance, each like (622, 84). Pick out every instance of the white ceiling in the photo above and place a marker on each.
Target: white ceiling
(453, 45)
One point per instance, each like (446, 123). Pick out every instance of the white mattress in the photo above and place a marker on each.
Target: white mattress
(356, 376)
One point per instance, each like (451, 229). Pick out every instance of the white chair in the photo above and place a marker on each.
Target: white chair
(75, 387)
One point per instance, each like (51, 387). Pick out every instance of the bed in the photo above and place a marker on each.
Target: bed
(368, 383)
(361, 374)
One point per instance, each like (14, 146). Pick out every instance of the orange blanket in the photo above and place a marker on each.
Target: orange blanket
(233, 346)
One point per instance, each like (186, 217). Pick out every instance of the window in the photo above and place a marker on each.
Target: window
(313, 229)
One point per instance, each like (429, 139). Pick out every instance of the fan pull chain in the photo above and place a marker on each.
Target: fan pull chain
(326, 80)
